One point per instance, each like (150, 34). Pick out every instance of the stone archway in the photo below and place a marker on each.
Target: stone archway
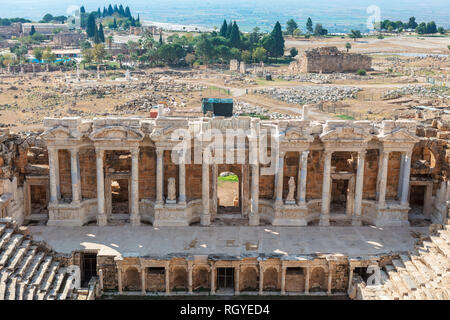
(270, 279)
(249, 279)
(179, 279)
(132, 279)
(318, 280)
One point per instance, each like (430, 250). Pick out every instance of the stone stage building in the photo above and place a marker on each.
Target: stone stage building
(130, 173)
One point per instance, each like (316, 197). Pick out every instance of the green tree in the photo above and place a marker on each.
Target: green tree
(259, 54)
(38, 53)
(412, 24)
(96, 36)
(309, 25)
(293, 52)
(348, 46)
(235, 37)
(319, 30)
(291, 25)
(171, 53)
(441, 30)
(223, 29)
(47, 18)
(48, 55)
(355, 34)
(297, 32)
(82, 10)
(431, 27)
(32, 31)
(99, 52)
(91, 26)
(127, 12)
(246, 56)
(120, 58)
(101, 34)
(278, 40)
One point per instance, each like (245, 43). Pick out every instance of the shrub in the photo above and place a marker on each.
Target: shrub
(361, 72)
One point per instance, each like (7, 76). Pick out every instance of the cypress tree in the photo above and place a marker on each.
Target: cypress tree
(138, 18)
(82, 10)
(90, 28)
(160, 38)
(96, 36)
(32, 31)
(127, 12)
(99, 13)
(309, 25)
(110, 10)
(132, 22)
(223, 29)
(278, 40)
(101, 34)
(229, 28)
(104, 13)
(121, 11)
(116, 9)
(235, 37)
(114, 24)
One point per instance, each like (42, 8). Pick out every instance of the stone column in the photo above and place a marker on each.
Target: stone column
(205, 219)
(119, 279)
(279, 180)
(167, 280)
(383, 179)
(350, 278)
(190, 269)
(254, 214)
(283, 280)
(236, 280)
(261, 280)
(143, 277)
(75, 175)
(213, 279)
(134, 217)
(330, 277)
(53, 173)
(356, 218)
(405, 183)
(301, 183)
(326, 184)
(400, 177)
(101, 218)
(308, 275)
(181, 178)
(159, 176)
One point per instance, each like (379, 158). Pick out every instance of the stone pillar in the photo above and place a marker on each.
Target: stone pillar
(236, 280)
(326, 186)
(301, 182)
(75, 175)
(330, 277)
(134, 216)
(119, 279)
(261, 280)
(213, 204)
(279, 180)
(254, 214)
(308, 275)
(383, 179)
(350, 278)
(53, 173)
(100, 277)
(205, 219)
(283, 280)
(167, 280)
(181, 179)
(400, 177)
(405, 183)
(356, 218)
(143, 277)
(101, 218)
(190, 269)
(159, 175)
(213, 279)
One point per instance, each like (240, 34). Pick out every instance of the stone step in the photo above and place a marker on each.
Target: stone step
(426, 272)
(30, 293)
(48, 280)
(2, 228)
(7, 234)
(397, 283)
(11, 289)
(67, 288)
(445, 235)
(29, 256)
(56, 285)
(37, 279)
(410, 284)
(19, 255)
(431, 263)
(398, 265)
(33, 267)
(21, 290)
(4, 276)
(10, 248)
(412, 270)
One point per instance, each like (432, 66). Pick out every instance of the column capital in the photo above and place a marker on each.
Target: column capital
(134, 152)
(328, 153)
(99, 152)
(74, 149)
(159, 151)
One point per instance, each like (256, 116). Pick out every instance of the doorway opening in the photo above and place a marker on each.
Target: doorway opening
(119, 196)
(228, 197)
(339, 194)
(88, 268)
(225, 278)
(419, 214)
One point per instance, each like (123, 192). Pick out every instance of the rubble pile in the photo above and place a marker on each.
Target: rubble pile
(421, 91)
(321, 78)
(243, 108)
(310, 94)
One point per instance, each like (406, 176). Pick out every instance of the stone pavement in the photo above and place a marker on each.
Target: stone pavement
(141, 241)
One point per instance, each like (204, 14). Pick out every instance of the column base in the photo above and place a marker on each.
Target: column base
(356, 221)
(253, 219)
(205, 220)
(102, 220)
(324, 221)
(135, 221)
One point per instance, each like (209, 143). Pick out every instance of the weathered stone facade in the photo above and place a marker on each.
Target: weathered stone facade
(329, 60)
